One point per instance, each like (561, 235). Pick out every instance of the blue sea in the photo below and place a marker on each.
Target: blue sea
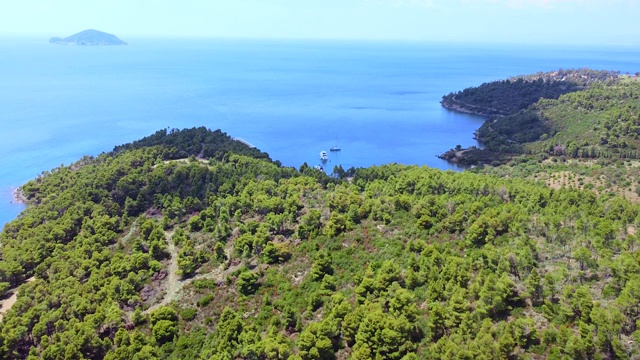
(379, 101)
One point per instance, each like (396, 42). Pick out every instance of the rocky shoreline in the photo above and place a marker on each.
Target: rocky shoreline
(18, 197)
(460, 109)
(474, 156)
(452, 155)
(459, 106)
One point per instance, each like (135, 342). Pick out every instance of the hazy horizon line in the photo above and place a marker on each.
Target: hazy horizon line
(125, 36)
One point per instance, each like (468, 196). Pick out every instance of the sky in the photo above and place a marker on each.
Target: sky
(580, 22)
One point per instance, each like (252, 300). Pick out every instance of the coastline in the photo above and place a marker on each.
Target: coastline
(458, 156)
(461, 107)
(18, 197)
(471, 156)
(474, 156)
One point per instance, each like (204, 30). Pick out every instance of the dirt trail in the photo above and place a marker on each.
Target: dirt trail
(201, 154)
(6, 305)
(217, 274)
(133, 228)
(172, 284)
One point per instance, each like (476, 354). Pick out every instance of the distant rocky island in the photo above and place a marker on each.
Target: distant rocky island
(89, 37)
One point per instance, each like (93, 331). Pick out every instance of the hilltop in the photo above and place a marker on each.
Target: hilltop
(188, 244)
(88, 37)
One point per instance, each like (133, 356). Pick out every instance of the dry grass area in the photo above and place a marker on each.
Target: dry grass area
(621, 180)
(599, 185)
(185, 160)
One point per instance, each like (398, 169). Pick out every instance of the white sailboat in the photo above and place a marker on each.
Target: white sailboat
(335, 147)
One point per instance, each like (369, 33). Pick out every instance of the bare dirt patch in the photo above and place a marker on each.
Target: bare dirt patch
(6, 305)
(631, 230)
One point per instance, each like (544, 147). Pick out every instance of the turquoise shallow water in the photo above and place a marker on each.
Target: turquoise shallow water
(379, 101)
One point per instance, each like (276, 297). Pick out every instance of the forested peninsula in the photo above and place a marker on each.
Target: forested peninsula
(579, 113)
(190, 245)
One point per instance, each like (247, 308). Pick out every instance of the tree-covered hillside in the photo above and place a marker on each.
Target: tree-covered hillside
(506, 97)
(598, 120)
(134, 256)
(197, 142)
(602, 121)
